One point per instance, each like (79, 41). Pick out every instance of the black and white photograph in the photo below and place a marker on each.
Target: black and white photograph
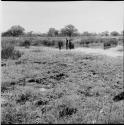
(62, 62)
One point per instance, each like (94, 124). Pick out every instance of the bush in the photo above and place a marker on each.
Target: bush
(8, 52)
(113, 41)
(114, 33)
(108, 43)
(48, 42)
(85, 42)
(7, 85)
(26, 44)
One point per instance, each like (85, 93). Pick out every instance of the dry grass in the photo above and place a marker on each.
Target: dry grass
(8, 52)
(78, 88)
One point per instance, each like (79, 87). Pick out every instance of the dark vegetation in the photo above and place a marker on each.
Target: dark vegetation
(26, 43)
(8, 52)
(119, 97)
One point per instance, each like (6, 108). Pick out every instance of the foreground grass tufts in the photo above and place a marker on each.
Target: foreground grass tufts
(8, 52)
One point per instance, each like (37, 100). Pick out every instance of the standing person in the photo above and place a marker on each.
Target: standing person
(72, 45)
(60, 44)
(69, 44)
(66, 43)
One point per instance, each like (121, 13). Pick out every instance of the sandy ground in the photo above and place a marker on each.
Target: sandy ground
(113, 52)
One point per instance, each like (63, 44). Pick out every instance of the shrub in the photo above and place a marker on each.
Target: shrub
(26, 44)
(67, 111)
(85, 42)
(113, 41)
(7, 85)
(114, 33)
(108, 43)
(48, 42)
(25, 94)
(8, 52)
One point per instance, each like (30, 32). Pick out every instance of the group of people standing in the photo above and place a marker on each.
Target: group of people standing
(69, 44)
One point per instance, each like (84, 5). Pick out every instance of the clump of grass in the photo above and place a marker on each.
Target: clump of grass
(67, 111)
(7, 85)
(25, 95)
(13, 114)
(9, 52)
(7, 115)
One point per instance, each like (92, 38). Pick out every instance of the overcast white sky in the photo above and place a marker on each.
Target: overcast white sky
(91, 16)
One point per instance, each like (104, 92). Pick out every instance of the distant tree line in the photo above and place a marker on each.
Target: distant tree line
(68, 30)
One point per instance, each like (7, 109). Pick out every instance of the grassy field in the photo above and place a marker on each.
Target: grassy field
(46, 85)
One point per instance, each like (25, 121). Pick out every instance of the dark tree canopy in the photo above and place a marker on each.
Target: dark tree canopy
(114, 33)
(53, 32)
(69, 30)
(15, 30)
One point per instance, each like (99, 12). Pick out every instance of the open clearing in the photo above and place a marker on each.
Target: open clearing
(113, 52)
(48, 85)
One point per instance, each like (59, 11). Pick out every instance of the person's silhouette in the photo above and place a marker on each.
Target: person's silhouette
(66, 43)
(69, 44)
(60, 45)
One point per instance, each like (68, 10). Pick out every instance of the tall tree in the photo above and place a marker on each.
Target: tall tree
(114, 33)
(69, 30)
(52, 32)
(15, 30)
